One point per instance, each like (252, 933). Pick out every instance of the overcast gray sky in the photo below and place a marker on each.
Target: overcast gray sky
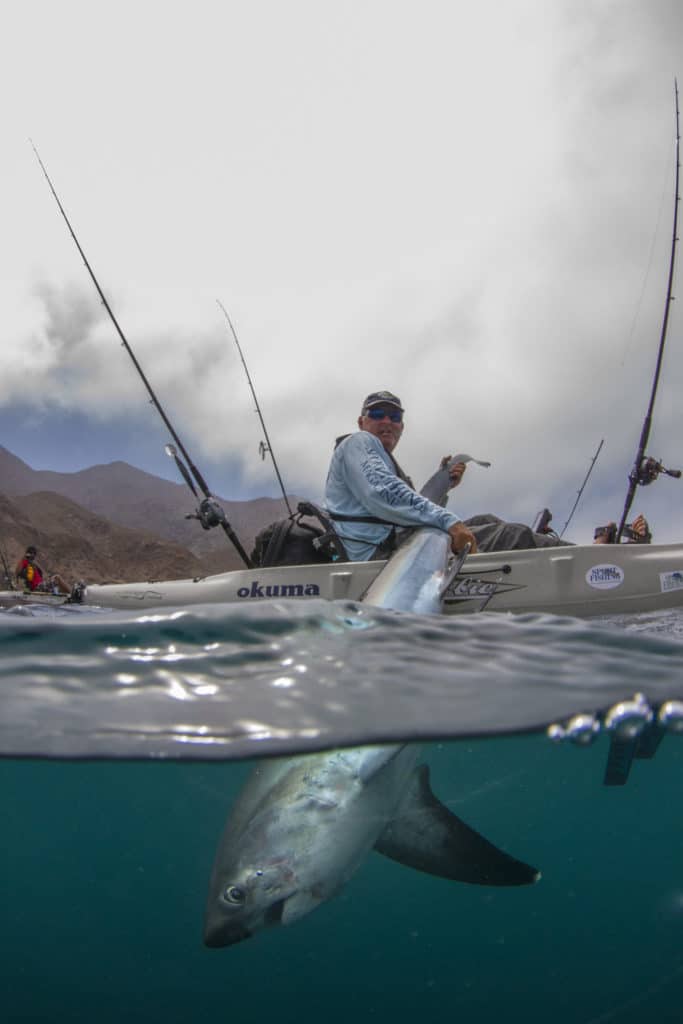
(469, 204)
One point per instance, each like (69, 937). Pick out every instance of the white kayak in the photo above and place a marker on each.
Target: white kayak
(13, 598)
(581, 580)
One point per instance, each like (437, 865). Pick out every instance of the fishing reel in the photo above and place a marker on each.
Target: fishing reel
(209, 514)
(649, 469)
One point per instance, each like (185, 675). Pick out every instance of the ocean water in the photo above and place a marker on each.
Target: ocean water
(125, 739)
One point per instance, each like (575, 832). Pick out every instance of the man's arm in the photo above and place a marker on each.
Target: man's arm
(383, 494)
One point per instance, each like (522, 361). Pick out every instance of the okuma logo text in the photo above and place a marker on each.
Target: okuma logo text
(279, 590)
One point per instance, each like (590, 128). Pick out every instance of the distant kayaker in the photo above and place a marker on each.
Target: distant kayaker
(31, 576)
(368, 495)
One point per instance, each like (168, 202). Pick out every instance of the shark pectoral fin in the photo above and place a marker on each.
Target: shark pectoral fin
(429, 837)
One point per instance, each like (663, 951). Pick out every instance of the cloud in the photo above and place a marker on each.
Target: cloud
(470, 205)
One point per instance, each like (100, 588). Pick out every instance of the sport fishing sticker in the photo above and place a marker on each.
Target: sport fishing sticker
(671, 580)
(605, 577)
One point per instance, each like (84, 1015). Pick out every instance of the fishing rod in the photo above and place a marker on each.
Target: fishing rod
(267, 447)
(581, 489)
(209, 513)
(9, 576)
(645, 469)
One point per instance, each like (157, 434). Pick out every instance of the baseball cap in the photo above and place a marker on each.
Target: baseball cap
(381, 398)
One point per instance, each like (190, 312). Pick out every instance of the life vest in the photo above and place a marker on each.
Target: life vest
(31, 573)
(386, 547)
(294, 542)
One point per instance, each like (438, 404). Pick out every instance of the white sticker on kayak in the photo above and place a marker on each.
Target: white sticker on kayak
(671, 580)
(604, 577)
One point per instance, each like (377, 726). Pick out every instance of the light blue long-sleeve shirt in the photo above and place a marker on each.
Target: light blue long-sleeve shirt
(362, 481)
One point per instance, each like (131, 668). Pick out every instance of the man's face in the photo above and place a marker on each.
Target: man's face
(382, 426)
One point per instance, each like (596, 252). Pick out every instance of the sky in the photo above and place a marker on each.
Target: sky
(468, 204)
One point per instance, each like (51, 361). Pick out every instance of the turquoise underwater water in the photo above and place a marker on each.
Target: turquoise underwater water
(104, 868)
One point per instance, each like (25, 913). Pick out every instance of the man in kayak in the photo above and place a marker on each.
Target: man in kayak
(30, 575)
(367, 494)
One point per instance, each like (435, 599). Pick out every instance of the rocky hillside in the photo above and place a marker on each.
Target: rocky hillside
(82, 546)
(115, 522)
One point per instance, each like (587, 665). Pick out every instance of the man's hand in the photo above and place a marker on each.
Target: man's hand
(460, 536)
(455, 472)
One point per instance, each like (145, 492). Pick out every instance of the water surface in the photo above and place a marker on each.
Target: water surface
(124, 741)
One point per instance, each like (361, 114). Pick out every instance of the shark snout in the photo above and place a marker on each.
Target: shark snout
(218, 934)
(218, 931)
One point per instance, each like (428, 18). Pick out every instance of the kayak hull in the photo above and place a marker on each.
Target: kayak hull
(581, 580)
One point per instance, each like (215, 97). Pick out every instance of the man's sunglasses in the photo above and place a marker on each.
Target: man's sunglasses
(395, 415)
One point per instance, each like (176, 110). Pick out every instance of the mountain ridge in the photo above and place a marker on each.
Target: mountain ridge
(123, 508)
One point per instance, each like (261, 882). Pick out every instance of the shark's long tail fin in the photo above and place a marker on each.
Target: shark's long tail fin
(429, 837)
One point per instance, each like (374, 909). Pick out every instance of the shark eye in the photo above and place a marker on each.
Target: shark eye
(233, 894)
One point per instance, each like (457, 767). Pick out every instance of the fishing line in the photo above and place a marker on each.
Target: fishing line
(663, 196)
